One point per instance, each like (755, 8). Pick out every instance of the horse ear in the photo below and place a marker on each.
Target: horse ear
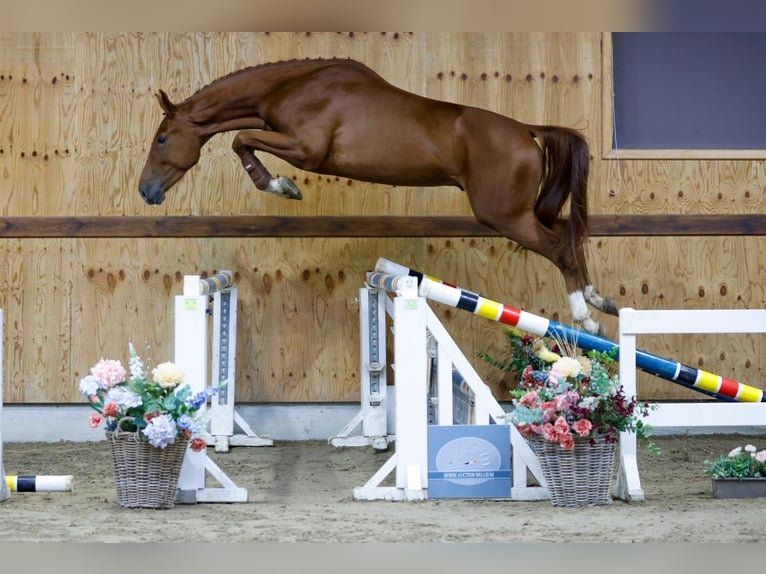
(167, 106)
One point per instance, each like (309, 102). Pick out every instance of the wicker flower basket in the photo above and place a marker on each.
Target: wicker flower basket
(578, 477)
(145, 476)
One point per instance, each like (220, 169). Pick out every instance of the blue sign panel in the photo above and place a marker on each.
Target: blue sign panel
(469, 461)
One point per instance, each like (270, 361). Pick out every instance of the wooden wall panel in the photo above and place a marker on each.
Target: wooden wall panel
(77, 113)
(37, 115)
(688, 273)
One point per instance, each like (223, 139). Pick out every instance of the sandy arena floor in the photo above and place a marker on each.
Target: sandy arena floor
(302, 492)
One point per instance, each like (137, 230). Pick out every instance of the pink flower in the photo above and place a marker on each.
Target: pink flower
(94, 420)
(561, 425)
(108, 372)
(566, 441)
(110, 409)
(582, 427)
(561, 402)
(549, 433)
(529, 399)
(549, 411)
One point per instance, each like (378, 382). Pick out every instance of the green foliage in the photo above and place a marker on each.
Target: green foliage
(562, 391)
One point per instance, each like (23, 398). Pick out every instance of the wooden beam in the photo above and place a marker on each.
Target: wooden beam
(358, 226)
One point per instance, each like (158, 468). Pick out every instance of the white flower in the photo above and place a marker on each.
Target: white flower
(135, 364)
(89, 385)
(161, 431)
(735, 452)
(567, 367)
(761, 456)
(124, 398)
(167, 375)
(751, 449)
(588, 403)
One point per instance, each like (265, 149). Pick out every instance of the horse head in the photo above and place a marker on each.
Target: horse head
(175, 149)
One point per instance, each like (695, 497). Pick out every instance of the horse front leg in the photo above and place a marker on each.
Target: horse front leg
(263, 180)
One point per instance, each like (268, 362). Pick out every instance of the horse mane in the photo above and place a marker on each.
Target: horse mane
(278, 64)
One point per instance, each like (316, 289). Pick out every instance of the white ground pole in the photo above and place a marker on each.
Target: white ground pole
(5, 492)
(413, 320)
(191, 356)
(681, 416)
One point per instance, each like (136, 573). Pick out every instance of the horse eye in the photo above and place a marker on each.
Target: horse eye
(161, 139)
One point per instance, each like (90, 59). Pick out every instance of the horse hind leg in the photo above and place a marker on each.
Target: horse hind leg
(603, 304)
(581, 314)
(590, 293)
(531, 234)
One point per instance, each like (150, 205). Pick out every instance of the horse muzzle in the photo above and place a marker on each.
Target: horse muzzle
(151, 194)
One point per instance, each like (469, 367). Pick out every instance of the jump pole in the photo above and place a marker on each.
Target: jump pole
(191, 355)
(39, 483)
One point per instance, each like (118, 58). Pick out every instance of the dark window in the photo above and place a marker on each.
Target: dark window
(689, 90)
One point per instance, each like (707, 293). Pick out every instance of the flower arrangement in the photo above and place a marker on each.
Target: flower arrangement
(747, 462)
(159, 408)
(563, 394)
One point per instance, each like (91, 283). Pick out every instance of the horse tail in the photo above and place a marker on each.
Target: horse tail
(566, 162)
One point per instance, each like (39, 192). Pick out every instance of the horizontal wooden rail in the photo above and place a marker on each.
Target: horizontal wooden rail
(357, 226)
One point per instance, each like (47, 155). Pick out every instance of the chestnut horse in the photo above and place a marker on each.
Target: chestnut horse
(338, 117)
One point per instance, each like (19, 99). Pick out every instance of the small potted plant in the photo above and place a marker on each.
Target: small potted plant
(739, 474)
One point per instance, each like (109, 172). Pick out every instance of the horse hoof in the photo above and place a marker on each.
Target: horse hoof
(593, 327)
(284, 187)
(610, 307)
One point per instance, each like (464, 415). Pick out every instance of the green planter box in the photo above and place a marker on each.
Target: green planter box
(736, 488)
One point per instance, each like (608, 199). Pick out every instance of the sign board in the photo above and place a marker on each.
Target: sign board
(469, 461)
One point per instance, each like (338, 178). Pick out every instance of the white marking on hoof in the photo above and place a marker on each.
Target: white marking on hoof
(284, 187)
(581, 314)
(579, 306)
(593, 327)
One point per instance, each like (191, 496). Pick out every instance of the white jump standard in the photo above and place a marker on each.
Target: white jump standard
(413, 322)
(191, 355)
(684, 417)
(373, 418)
